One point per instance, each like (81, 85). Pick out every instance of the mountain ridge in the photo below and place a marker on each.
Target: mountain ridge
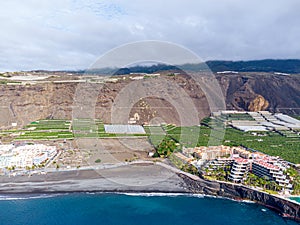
(291, 66)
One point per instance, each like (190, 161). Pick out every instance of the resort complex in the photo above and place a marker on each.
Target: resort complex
(239, 162)
(25, 156)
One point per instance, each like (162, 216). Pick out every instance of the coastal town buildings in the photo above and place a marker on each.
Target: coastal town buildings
(219, 163)
(239, 162)
(26, 155)
(208, 152)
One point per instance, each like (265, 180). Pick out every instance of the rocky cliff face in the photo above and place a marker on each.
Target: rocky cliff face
(23, 104)
(258, 104)
(262, 91)
(246, 91)
(26, 103)
(284, 207)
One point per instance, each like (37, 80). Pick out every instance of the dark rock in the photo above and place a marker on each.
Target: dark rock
(285, 207)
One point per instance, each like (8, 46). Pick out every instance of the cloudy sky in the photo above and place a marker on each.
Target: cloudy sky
(72, 34)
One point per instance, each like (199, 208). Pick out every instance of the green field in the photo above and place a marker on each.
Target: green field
(187, 136)
(50, 125)
(156, 134)
(239, 117)
(64, 129)
(46, 130)
(285, 144)
(95, 128)
(296, 116)
(191, 136)
(272, 143)
(87, 128)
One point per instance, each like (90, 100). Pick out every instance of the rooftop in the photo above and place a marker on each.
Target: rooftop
(241, 160)
(266, 165)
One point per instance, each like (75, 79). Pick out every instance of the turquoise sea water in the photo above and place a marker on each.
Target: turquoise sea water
(297, 199)
(133, 209)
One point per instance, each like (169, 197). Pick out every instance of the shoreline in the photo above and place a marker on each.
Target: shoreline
(285, 207)
(141, 179)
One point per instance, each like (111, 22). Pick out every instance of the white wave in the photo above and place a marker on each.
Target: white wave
(161, 194)
(231, 199)
(247, 201)
(14, 197)
(26, 197)
(152, 194)
(198, 195)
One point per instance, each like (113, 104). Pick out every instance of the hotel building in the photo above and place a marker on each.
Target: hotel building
(239, 170)
(271, 172)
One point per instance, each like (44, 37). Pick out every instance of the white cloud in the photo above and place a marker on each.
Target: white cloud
(71, 34)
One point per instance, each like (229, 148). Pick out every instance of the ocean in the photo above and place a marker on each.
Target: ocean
(297, 199)
(132, 209)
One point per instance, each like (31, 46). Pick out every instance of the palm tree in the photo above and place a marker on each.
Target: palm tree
(263, 182)
(206, 171)
(273, 185)
(251, 178)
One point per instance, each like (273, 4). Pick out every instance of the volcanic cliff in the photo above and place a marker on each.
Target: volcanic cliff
(27, 102)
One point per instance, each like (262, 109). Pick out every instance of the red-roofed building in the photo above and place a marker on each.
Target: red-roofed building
(269, 171)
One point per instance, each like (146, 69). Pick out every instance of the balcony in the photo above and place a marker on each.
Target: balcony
(237, 172)
(276, 172)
